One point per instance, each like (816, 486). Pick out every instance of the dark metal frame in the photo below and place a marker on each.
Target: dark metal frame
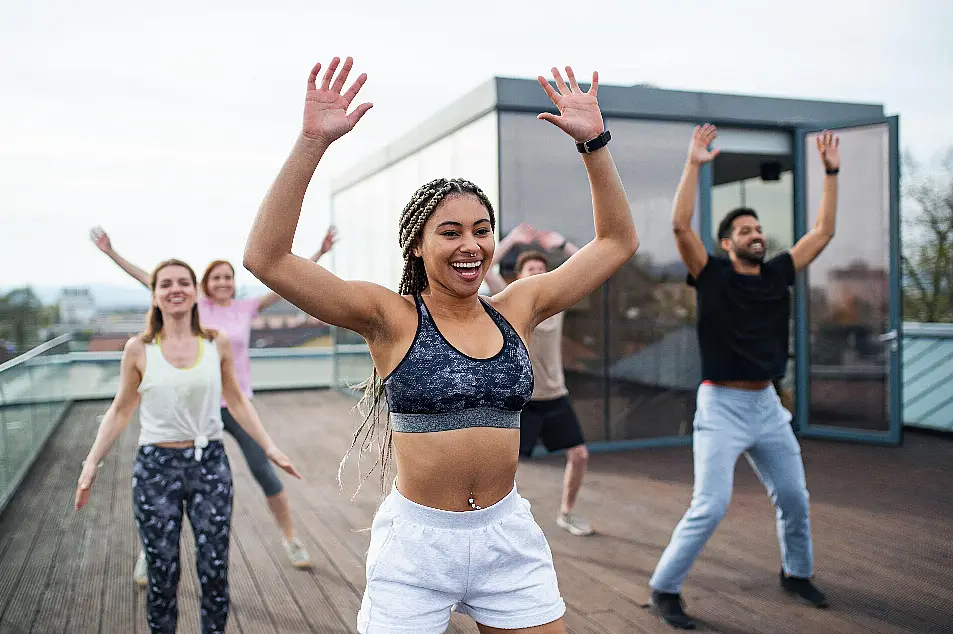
(894, 434)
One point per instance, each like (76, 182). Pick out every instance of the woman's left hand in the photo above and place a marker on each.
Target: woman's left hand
(280, 459)
(85, 483)
(579, 114)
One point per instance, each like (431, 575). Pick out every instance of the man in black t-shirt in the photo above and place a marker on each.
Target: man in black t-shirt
(743, 309)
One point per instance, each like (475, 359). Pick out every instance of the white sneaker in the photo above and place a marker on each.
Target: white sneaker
(574, 524)
(141, 573)
(297, 554)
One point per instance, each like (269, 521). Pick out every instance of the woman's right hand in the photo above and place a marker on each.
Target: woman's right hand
(280, 459)
(85, 483)
(325, 108)
(101, 239)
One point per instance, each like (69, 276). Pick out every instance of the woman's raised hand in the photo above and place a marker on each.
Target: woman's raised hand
(325, 108)
(579, 114)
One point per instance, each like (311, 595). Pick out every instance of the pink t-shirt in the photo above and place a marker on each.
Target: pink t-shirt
(235, 320)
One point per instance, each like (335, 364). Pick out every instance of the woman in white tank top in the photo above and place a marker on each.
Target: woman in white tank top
(177, 373)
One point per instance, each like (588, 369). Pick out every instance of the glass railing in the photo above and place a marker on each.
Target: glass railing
(34, 394)
(36, 389)
(95, 375)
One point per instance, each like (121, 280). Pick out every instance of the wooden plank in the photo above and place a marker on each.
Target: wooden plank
(880, 520)
(86, 588)
(38, 583)
(248, 612)
(119, 594)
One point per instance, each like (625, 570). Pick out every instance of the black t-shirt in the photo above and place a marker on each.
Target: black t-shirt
(743, 319)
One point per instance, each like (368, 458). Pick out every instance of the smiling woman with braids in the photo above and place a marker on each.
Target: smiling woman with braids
(453, 533)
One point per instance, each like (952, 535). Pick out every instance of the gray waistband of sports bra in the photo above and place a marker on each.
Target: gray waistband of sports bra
(473, 417)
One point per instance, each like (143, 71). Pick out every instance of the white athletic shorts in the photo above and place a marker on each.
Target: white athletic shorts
(493, 564)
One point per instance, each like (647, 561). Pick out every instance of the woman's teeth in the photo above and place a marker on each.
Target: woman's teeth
(466, 265)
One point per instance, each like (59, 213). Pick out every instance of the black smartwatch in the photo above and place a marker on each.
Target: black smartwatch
(594, 144)
(832, 172)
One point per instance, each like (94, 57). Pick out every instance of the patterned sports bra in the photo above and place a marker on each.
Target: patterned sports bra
(435, 387)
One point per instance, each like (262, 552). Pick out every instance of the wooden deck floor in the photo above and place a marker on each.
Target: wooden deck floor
(882, 528)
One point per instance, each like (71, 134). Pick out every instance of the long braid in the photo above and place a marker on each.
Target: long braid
(413, 280)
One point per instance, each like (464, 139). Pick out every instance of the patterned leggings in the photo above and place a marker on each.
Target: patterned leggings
(166, 482)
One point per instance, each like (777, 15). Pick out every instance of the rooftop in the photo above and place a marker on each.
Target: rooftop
(881, 527)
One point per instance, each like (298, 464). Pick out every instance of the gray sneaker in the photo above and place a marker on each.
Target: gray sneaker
(141, 573)
(297, 554)
(574, 524)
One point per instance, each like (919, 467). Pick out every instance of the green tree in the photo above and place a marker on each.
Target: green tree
(21, 317)
(927, 259)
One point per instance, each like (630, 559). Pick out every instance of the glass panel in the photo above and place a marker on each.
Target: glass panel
(648, 314)
(34, 393)
(367, 213)
(849, 299)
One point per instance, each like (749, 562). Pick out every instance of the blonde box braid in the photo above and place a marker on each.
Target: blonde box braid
(413, 280)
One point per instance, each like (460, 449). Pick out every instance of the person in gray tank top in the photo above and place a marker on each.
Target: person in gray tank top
(548, 416)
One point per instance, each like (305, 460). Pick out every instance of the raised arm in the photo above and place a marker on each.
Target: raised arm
(269, 298)
(521, 234)
(689, 244)
(242, 409)
(813, 242)
(101, 240)
(359, 306)
(616, 239)
(115, 419)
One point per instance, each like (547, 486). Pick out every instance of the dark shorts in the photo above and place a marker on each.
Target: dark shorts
(552, 421)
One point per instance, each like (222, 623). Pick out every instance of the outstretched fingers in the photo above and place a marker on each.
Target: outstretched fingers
(563, 88)
(572, 80)
(338, 84)
(594, 87)
(329, 73)
(550, 91)
(707, 133)
(313, 77)
(359, 112)
(355, 88)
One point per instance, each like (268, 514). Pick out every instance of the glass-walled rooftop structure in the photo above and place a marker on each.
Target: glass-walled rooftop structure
(630, 349)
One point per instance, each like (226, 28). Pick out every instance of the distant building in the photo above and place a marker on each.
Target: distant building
(283, 314)
(281, 325)
(77, 307)
(858, 293)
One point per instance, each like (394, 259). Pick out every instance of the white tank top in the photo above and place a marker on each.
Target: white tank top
(181, 404)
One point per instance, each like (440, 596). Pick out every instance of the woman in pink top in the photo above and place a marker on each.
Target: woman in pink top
(220, 310)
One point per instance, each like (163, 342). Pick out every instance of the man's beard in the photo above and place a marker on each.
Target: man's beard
(750, 256)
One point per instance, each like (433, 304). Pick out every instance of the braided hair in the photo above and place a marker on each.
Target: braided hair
(413, 280)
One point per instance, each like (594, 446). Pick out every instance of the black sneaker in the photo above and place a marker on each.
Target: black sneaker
(804, 589)
(668, 607)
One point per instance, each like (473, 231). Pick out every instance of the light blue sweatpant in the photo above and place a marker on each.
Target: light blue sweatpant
(729, 422)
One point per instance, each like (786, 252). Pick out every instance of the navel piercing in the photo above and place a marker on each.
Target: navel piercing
(472, 504)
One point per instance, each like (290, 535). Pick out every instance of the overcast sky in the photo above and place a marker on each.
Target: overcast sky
(166, 126)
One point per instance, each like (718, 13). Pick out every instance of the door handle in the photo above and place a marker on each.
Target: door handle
(891, 337)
